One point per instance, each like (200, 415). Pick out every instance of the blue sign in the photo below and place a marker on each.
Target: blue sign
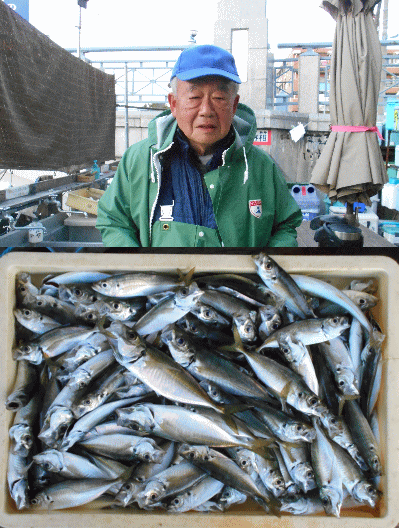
(20, 6)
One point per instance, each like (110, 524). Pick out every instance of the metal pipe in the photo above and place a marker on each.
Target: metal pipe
(132, 48)
(327, 44)
(126, 108)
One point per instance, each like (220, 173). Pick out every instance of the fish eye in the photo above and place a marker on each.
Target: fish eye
(134, 426)
(279, 482)
(116, 306)
(146, 456)
(39, 303)
(300, 394)
(184, 291)
(207, 313)
(333, 421)
(243, 462)
(27, 312)
(104, 285)
(275, 326)
(309, 474)
(77, 291)
(190, 455)
(175, 501)
(299, 427)
(313, 401)
(341, 383)
(153, 496)
(335, 320)
(22, 289)
(180, 341)
(46, 466)
(269, 266)
(286, 350)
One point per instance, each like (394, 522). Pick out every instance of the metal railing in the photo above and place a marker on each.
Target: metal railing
(144, 81)
(286, 76)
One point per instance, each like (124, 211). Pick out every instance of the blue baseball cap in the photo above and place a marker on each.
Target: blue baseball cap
(200, 61)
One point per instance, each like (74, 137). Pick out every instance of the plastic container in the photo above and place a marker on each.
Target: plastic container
(391, 232)
(306, 196)
(389, 193)
(95, 170)
(309, 214)
(338, 269)
(367, 219)
(392, 119)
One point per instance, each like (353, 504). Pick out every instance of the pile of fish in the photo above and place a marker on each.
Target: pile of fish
(178, 392)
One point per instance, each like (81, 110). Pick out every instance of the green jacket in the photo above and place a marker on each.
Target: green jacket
(252, 204)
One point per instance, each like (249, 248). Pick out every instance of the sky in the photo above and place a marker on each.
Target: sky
(117, 23)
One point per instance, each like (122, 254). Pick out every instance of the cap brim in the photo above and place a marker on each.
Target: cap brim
(205, 72)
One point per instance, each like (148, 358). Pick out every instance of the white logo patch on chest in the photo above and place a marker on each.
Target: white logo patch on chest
(255, 208)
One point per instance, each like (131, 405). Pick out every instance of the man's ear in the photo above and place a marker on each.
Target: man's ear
(236, 103)
(172, 103)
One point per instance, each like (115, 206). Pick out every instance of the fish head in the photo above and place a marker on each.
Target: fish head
(179, 344)
(138, 418)
(213, 391)
(49, 460)
(246, 460)
(25, 314)
(128, 492)
(246, 326)
(30, 352)
(87, 404)
(55, 425)
(147, 450)
(19, 493)
(334, 326)
(374, 462)
(80, 379)
(42, 501)
(294, 505)
(23, 438)
(193, 453)
(331, 499)
(87, 313)
(363, 491)
(209, 315)
(105, 286)
(307, 402)
(275, 482)
(178, 503)
(299, 431)
(231, 496)
(271, 319)
(346, 381)
(186, 296)
(153, 492)
(268, 268)
(303, 475)
(334, 424)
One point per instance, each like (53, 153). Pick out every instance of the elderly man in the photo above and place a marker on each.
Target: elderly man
(198, 180)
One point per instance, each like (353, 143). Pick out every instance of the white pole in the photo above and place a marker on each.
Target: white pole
(79, 29)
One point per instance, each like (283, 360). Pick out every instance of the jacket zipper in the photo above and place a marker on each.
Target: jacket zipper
(156, 163)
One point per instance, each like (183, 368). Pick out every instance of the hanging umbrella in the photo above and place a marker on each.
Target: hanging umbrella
(350, 168)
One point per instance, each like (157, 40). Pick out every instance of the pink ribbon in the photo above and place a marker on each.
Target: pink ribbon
(351, 128)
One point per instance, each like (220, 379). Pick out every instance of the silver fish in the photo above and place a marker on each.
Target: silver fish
(157, 370)
(225, 470)
(169, 482)
(137, 284)
(308, 331)
(282, 284)
(35, 321)
(68, 465)
(169, 310)
(72, 493)
(124, 447)
(24, 386)
(328, 478)
(338, 357)
(299, 466)
(201, 492)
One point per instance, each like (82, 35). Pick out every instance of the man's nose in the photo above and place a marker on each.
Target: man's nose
(206, 107)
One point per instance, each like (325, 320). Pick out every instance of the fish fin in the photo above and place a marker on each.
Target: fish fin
(188, 278)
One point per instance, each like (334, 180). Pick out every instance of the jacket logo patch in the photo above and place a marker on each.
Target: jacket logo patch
(255, 208)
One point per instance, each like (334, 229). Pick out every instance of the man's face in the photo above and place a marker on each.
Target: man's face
(204, 110)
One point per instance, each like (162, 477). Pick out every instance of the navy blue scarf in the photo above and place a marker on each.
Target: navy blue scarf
(183, 184)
